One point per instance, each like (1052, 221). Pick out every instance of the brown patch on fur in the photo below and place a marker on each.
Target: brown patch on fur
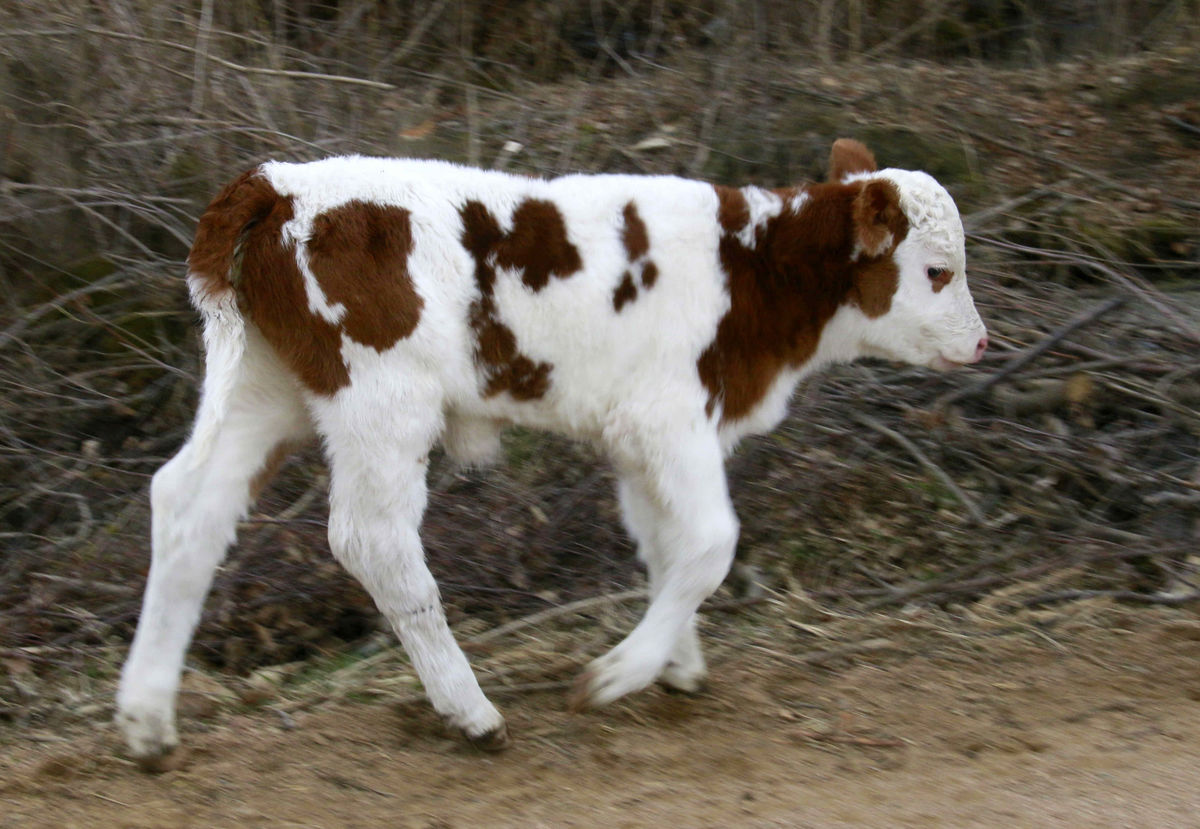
(506, 368)
(243, 202)
(732, 211)
(878, 217)
(786, 194)
(271, 292)
(874, 286)
(503, 365)
(634, 235)
(787, 285)
(849, 157)
(537, 245)
(359, 254)
(481, 234)
(239, 247)
(626, 292)
(636, 241)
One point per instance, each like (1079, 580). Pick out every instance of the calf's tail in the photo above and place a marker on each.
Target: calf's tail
(214, 272)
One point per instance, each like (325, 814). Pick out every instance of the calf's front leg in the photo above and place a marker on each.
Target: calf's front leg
(677, 502)
(685, 669)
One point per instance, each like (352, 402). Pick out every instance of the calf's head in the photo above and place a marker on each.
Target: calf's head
(907, 239)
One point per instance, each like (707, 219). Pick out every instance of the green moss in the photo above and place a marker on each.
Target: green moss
(92, 268)
(1167, 237)
(801, 550)
(1103, 236)
(320, 669)
(1154, 239)
(522, 447)
(908, 149)
(186, 166)
(1157, 87)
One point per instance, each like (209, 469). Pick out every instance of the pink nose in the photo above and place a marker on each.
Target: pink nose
(980, 348)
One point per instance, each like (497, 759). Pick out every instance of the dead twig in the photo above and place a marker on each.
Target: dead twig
(972, 221)
(968, 503)
(847, 739)
(1182, 124)
(415, 34)
(932, 15)
(527, 687)
(89, 585)
(819, 658)
(1033, 352)
(343, 782)
(1060, 162)
(228, 64)
(555, 612)
(1169, 600)
(1149, 294)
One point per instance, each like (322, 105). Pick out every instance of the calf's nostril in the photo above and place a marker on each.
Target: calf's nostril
(981, 347)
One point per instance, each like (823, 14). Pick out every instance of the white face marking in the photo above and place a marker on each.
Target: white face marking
(924, 326)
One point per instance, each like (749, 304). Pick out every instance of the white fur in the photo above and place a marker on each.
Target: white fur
(197, 499)
(925, 327)
(625, 380)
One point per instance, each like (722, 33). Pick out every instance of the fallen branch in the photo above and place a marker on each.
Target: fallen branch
(818, 658)
(946, 587)
(1064, 163)
(228, 64)
(1145, 291)
(1182, 124)
(972, 509)
(973, 221)
(1033, 352)
(1169, 600)
(552, 613)
(847, 739)
(88, 585)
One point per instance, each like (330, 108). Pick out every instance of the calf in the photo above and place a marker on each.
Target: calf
(385, 305)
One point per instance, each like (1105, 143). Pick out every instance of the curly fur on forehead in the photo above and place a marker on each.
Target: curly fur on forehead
(930, 210)
(932, 215)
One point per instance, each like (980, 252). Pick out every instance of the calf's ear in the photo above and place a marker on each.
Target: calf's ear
(878, 220)
(849, 157)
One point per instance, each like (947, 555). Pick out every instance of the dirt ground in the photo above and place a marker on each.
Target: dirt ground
(1081, 725)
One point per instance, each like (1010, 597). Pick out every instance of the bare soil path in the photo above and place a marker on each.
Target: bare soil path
(1084, 726)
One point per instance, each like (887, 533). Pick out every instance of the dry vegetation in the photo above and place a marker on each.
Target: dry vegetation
(1067, 466)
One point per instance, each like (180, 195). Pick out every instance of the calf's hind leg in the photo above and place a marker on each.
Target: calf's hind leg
(196, 501)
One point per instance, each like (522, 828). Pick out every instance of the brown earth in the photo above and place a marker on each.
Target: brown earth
(1081, 720)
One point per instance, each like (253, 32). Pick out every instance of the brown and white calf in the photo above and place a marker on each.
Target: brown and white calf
(387, 305)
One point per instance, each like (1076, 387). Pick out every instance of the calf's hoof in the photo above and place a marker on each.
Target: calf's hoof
(170, 759)
(497, 739)
(150, 737)
(677, 680)
(621, 671)
(580, 698)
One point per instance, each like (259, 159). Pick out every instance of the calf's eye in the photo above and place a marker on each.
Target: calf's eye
(938, 274)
